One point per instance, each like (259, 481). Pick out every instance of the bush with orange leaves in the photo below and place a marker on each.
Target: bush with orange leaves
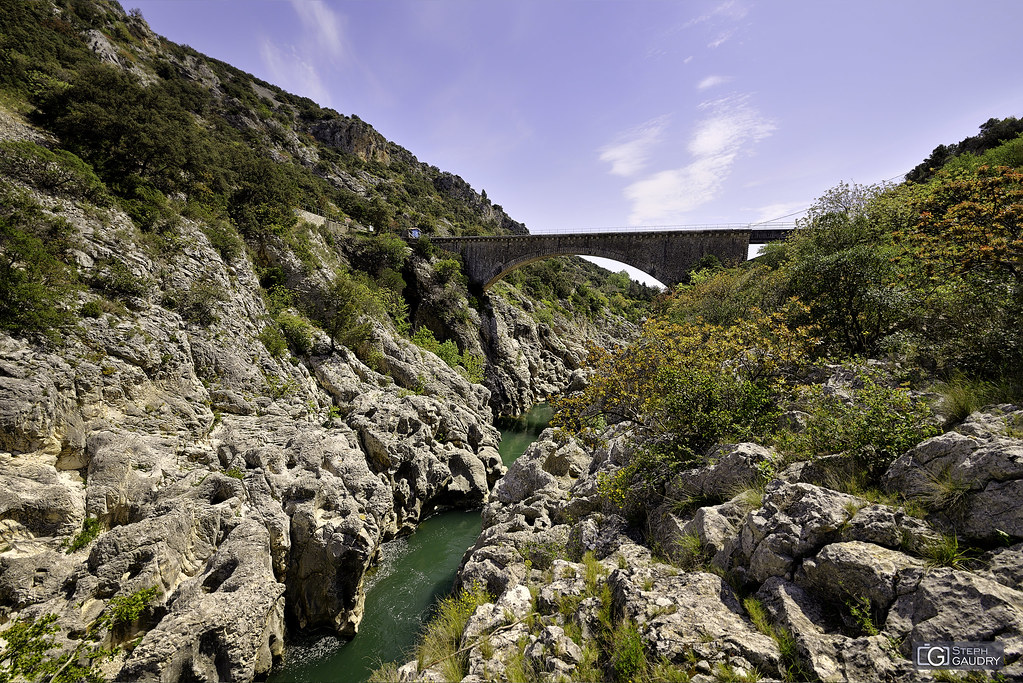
(680, 388)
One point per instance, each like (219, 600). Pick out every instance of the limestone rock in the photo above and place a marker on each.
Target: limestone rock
(951, 604)
(677, 612)
(226, 623)
(37, 501)
(972, 478)
(733, 467)
(795, 521)
(853, 571)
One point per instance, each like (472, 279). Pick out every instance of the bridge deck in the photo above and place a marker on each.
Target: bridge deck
(757, 235)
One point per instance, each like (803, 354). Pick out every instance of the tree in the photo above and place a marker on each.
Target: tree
(342, 309)
(972, 223)
(842, 265)
(122, 128)
(683, 387)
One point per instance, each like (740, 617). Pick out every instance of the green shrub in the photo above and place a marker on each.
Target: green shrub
(628, 659)
(379, 252)
(114, 277)
(441, 641)
(91, 309)
(273, 340)
(877, 425)
(90, 530)
(297, 331)
(474, 366)
(126, 609)
(342, 308)
(34, 281)
(27, 642)
(57, 171)
(197, 304)
(391, 279)
(148, 207)
(448, 352)
(447, 269)
(681, 388)
(224, 239)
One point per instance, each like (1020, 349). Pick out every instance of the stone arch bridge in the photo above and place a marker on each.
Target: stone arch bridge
(667, 255)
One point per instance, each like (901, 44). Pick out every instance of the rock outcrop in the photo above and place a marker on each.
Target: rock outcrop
(164, 455)
(737, 574)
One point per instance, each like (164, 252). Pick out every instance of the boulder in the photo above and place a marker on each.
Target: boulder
(854, 571)
(677, 612)
(733, 467)
(971, 478)
(795, 521)
(226, 623)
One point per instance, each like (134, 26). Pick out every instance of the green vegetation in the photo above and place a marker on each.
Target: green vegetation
(469, 364)
(946, 553)
(878, 424)
(441, 643)
(90, 530)
(126, 609)
(923, 276)
(35, 281)
(29, 643)
(680, 389)
(572, 286)
(51, 171)
(793, 666)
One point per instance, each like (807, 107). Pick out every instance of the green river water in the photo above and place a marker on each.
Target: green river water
(413, 573)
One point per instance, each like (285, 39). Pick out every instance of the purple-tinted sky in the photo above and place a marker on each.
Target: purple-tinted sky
(575, 114)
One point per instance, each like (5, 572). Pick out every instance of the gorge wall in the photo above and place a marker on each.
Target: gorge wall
(159, 452)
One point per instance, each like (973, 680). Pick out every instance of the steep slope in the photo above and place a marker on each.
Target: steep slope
(212, 411)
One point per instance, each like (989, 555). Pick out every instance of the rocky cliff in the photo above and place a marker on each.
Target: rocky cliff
(159, 455)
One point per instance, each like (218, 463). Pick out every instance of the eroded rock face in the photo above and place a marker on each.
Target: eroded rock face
(243, 493)
(973, 476)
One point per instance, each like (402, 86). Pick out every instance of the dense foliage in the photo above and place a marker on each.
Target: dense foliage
(993, 133)
(923, 276)
(682, 387)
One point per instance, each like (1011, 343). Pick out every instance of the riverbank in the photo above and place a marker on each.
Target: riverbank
(403, 588)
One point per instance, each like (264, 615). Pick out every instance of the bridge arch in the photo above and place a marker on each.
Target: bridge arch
(666, 256)
(523, 261)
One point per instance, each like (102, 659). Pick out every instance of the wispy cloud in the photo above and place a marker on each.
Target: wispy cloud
(721, 39)
(293, 71)
(725, 11)
(730, 128)
(629, 154)
(324, 46)
(711, 81)
(324, 25)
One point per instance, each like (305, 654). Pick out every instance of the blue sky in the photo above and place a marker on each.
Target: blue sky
(577, 114)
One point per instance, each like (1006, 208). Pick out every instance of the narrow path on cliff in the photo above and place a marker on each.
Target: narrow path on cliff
(413, 574)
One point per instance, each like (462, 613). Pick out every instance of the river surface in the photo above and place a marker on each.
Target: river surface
(412, 575)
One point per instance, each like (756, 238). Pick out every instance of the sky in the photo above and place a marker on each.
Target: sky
(582, 114)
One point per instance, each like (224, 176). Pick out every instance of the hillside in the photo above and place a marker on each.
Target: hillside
(215, 409)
